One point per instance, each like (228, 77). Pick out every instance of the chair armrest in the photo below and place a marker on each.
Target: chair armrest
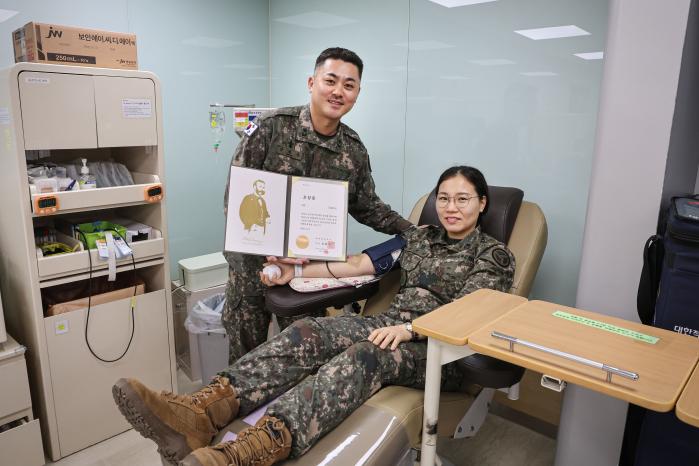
(285, 302)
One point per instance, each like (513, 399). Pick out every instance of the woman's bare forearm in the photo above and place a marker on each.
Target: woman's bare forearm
(354, 266)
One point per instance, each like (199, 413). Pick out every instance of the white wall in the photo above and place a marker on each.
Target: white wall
(637, 103)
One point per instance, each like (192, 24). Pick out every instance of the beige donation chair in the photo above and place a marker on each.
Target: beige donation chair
(388, 426)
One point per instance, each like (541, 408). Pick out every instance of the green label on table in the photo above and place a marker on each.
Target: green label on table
(608, 327)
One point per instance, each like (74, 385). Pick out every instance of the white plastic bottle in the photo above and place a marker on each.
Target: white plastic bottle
(86, 180)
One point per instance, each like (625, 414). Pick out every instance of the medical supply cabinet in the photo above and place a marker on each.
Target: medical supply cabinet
(60, 114)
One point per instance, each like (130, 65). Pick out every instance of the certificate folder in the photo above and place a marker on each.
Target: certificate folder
(271, 214)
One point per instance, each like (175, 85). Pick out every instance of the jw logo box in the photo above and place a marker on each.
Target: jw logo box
(66, 45)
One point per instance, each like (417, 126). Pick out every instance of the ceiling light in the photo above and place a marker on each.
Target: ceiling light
(456, 3)
(555, 32)
(590, 55)
(6, 14)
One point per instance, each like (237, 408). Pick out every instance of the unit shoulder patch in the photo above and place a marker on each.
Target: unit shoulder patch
(501, 257)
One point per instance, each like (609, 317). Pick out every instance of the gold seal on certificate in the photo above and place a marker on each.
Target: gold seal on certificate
(281, 215)
(302, 241)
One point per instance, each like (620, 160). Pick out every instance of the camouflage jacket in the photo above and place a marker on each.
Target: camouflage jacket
(436, 270)
(285, 142)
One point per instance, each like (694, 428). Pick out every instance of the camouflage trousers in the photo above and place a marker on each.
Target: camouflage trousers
(245, 317)
(322, 369)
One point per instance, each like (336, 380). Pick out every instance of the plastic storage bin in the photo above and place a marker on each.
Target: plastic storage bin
(186, 345)
(213, 354)
(198, 273)
(204, 322)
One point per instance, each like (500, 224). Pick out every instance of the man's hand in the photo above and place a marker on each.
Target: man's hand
(393, 335)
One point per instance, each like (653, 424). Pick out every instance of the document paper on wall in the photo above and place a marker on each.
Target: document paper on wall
(280, 215)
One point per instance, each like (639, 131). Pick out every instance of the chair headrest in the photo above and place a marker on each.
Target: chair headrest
(503, 208)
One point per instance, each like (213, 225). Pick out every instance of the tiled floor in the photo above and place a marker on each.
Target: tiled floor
(127, 449)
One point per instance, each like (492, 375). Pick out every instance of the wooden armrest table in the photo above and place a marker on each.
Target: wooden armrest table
(663, 368)
(687, 408)
(447, 330)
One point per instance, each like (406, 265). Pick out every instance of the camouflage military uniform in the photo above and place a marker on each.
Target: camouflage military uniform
(285, 142)
(325, 368)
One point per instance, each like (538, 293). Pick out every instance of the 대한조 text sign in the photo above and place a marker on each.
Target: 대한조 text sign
(281, 215)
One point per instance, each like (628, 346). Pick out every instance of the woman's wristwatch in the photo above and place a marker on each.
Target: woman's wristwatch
(409, 327)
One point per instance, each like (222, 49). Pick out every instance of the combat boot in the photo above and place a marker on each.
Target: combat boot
(177, 424)
(268, 442)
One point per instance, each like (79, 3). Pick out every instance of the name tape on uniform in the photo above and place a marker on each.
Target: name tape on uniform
(625, 332)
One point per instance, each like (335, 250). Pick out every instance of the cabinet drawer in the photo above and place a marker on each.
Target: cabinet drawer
(14, 387)
(100, 198)
(22, 445)
(58, 110)
(78, 262)
(92, 416)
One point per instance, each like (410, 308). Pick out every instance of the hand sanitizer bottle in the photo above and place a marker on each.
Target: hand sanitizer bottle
(86, 181)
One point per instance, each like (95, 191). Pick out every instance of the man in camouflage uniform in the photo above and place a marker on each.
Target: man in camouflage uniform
(321, 369)
(306, 141)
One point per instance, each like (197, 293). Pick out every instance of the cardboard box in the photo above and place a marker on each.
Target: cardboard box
(65, 45)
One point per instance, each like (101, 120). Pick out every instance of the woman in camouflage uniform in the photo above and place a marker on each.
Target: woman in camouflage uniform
(321, 369)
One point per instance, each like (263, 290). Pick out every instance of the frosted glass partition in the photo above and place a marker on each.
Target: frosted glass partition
(458, 85)
(522, 110)
(300, 30)
(203, 52)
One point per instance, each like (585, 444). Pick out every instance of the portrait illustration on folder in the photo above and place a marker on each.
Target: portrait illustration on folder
(283, 215)
(253, 209)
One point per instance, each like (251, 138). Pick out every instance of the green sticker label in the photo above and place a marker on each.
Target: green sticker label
(625, 332)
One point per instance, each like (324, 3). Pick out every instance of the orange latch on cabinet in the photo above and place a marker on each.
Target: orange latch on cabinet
(154, 193)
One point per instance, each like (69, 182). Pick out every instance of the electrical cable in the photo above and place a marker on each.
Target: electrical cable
(89, 300)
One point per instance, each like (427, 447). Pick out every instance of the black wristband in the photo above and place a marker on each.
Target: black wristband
(327, 266)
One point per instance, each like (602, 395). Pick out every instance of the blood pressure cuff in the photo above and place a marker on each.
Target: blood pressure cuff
(385, 256)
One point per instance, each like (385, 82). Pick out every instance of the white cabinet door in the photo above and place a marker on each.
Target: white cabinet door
(58, 110)
(85, 411)
(126, 112)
